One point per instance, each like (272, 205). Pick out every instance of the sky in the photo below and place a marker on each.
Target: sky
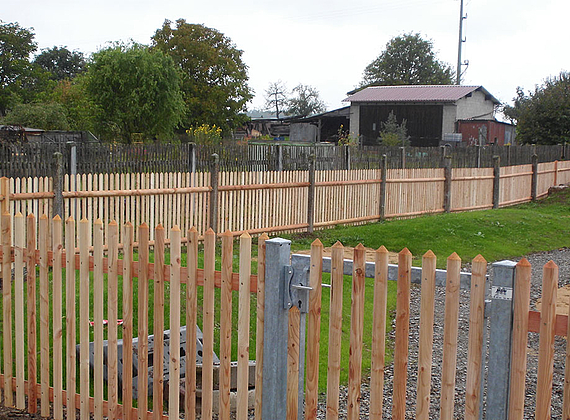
(327, 43)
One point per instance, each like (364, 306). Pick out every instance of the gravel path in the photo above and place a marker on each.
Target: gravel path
(562, 259)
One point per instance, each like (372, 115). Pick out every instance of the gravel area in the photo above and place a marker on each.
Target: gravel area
(562, 259)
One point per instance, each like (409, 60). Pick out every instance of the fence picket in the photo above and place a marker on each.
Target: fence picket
(142, 355)
(208, 323)
(191, 315)
(57, 323)
(335, 331)
(20, 241)
(426, 335)
(84, 292)
(44, 316)
(293, 363)
(128, 322)
(98, 318)
(7, 305)
(226, 324)
(546, 346)
(158, 331)
(260, 323)
(356, 332)
(402, 331)
(31, 312)
(243, 326)
(112, 311)
(174, 367)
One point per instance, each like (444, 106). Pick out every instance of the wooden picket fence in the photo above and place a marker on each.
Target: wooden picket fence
(280, 201)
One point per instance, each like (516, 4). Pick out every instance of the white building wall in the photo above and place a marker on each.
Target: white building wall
(448, 119)
(475, 106)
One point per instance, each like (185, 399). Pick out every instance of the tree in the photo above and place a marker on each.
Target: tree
(136, 90)
(73, 96)
(543, 116)
(408, 60)
(392, 133)
(305, 102)
(46, 116)
(276, 97)
(61, 63)
(16, 46)
(214, 77)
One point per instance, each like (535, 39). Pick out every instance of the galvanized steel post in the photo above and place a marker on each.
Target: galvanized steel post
(274, 398)
(534, 181)
(383, 175)
(501, 326)
(496, 181)
(311, 195)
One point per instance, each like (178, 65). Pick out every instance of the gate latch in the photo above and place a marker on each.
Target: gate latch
(296, 291)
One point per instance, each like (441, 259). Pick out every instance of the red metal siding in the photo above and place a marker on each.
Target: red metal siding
(495, 132)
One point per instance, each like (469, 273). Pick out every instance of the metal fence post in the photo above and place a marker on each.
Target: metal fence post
(311, 195)
(402, 157)
(383, 176)
(192, 157)
(58, 185)
(214, 192)
(496, 181)
(274, 398)
(501, 326)
(280, 157)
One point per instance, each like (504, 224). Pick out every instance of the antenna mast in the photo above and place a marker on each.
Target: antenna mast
(461, 41)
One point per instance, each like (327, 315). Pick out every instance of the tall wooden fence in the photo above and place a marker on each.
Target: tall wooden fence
(278, 201)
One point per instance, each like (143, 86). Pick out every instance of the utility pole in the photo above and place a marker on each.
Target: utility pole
(461, 41)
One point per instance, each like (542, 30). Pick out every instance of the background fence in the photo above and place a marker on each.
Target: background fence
(36, 159)
(278, 201)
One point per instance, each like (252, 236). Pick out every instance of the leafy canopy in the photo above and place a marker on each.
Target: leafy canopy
(408, 60)
(61, 63)
(543, 116)
(16, 71)
(214, 77)
(46, 116)
(305, 101)
(136, 90)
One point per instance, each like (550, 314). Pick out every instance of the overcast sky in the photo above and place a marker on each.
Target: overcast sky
(327, 43)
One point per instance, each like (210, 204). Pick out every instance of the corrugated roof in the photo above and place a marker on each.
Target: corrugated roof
(415, 93)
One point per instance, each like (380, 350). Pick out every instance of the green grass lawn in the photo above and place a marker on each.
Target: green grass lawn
(496, 234)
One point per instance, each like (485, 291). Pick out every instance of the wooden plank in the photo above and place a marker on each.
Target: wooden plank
(226, 324)
(191, 315)
(208, 323)
(84, 236)
(142, 377)
(7, 303)
(112, 310)
(174, 371)
(98, 318)
(546, 346)
(44, 316)
(519, 342)
(402, 332)
(243, 326)
(31, 311)
(566, 400)
(158, 331)
(128, 322)
(314, 330)
(20, 246)
(335, 331)
(356, 333)
(293, 363)
(260, 323)
(450, 330)
(426, 335)
(57, 316)
(70, 382)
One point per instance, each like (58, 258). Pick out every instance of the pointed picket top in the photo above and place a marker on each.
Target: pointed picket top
(245, 235)
(382, 250)
(523, 263)
(175, 228)
(338, 245)
(143, 225)
(42, 217)
(98, 222)
(264, 236)
(159, 227)
(193, 229)
(8, 213)
(19, 214)
(359, 247)
(317, 242)
(550, 265)
(481, 259)
(113, 223)
(429, 254)
(454, 257)
(405, 251)
(129, 224)
(227, 233)
(210, 231)
(31, 216)
(55, 219)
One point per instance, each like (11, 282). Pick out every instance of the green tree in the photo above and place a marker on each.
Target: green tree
(79, 107)
(16, 72)
(46, 116)
(214, 77)
(392, 133)
(136, 90)
(305, 101)
(408, 60)
(61, 63)
(543, 116)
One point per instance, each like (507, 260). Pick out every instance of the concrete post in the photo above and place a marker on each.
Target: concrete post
(501, 325)
(274, 398)
(509, 154)
(383, 176)
(496, 181)
(280, 157)
(58, 185)
(347, 149)
(447, 185)
(402, 157)
(311, 195)
(534, 181)
(192, 157)
(215, 168)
